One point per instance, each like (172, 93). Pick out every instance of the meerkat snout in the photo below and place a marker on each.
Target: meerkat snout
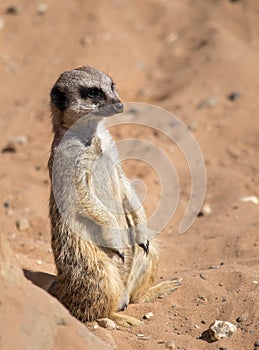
(108, 110)
(118, 107)
(82, 91)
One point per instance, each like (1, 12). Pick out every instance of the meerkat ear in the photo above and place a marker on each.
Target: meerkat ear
(59, 98)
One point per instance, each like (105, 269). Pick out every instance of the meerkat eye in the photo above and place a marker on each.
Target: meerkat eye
(94, 92)
(91, 93)
(113, 86)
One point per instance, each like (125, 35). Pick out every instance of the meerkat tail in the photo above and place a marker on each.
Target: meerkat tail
(125, 320)
(160, 290)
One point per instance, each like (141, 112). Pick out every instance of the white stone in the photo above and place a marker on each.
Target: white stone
(148, 315)
(22, 224)
(221, 330)
(106, 323)
(252, 199)
(42, 8)
(206, 209)
(170, 344)
(2, 23)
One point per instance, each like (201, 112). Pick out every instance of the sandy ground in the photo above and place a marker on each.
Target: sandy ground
(187, 57)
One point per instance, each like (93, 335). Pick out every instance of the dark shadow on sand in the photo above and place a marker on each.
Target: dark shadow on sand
(40, 279)
(206, 337)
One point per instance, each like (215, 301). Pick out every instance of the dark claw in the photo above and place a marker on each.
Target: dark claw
(145, 246)
(124, 307)
(121, 255)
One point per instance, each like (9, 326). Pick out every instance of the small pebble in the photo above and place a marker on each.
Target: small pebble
(86, 40)
(221, 330)
(207, 102)
(202, 298)
(148, 315)
(42, 8)
(193, 126)
(160, 342)
(205, 210)
(240, 319)
(12, 145)
(170, 344)
(203, 321)
(144, 338)
(256, 345)
(95, 326)
(214, 267)
(20, 140)
(252, 199)
(202, 276)
(172, 37)
(22, 224)
(233, 96)
(9, 212)
(106, 323)
(39, 262)
(221, 348)
(2, 23)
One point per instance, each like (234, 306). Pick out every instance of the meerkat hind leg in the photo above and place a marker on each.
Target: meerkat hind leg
(124, 320)
(160, 290)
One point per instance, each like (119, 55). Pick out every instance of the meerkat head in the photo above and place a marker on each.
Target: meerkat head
(81, 91)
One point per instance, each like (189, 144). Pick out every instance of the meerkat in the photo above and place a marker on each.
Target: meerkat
(107, 260)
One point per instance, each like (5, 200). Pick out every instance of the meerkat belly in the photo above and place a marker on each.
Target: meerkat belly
(106, 185)
(106, 181)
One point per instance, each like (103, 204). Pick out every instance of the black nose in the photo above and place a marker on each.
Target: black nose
(118, 107)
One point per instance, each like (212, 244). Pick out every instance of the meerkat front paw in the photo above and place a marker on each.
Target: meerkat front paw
(145, 247)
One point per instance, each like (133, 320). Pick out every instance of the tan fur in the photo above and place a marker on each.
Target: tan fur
(95, 281)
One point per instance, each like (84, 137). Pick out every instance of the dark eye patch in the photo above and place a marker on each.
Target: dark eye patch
(93, 93)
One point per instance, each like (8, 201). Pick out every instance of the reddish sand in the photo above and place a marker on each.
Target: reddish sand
(173, 54)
